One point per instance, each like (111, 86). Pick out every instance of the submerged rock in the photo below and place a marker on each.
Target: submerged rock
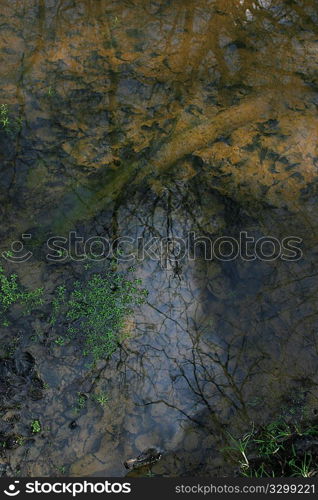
(24, 364)
(147, 457)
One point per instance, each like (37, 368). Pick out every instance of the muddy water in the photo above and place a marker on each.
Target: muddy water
(157, 119)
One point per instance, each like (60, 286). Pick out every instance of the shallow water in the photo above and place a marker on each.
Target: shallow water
(157, 119)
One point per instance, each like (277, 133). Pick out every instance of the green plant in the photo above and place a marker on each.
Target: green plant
(51, 92)
(60, 341)
(37, 335)
(9, 290)
(36, 426)
(11, 293)
(20, 440)
(6, 124)
(4, 117)
(271, 450)
(61, 469)
(95, 311)
(257, 472)
(273, 437)
(305, 467)
(80, 403)
(115, 21)
(31, 299)
(150, 473)
(254, 402)
(239, 447)
(62, 253)
(8, 253)
(102, 399)
(57, 303)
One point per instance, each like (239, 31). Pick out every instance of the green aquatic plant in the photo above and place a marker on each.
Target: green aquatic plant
(115, 21)
(20, 440)
(102, 399)
(57, 303)
(8, 254)
(51, 92)
(11, 292)
(60, 341)
(95, 311)
(81, 403)
(10, 346)
(31, 299)
(4, 117)
(10, 126)
(36, 426)
(61, 469)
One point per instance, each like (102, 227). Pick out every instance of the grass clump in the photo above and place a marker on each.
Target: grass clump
(95, 311)
(279, 449)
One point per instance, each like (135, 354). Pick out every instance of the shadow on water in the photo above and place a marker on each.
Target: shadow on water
(155, 119)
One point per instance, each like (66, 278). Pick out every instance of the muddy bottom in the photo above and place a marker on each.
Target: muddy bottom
(175, 133)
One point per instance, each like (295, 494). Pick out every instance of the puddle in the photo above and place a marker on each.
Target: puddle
(154, 120)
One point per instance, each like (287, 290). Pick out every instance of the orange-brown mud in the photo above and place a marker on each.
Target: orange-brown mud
(143, 118)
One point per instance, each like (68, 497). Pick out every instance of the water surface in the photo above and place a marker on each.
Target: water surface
(157, 118)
